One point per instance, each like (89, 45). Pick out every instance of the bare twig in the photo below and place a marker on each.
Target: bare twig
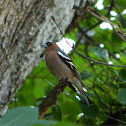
(121, 31)
(121, 17)
(60, 30)
(51, 99)
(83, 55)
(111, 6)
(98, 61)
(115, 119)
(105, 19)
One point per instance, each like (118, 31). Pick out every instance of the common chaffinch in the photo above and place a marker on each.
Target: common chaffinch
(61, 66)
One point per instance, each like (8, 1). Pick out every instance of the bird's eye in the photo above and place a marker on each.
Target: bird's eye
(49, 44)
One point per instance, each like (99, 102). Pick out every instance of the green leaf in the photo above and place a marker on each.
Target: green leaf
(65, 123)
(56, 113)
(122, 74)
(70, 108)
(121, 3)
(116, 41)
(101, 53)
(85, 74)
(23, 116)
(121, 96)
(89, 112)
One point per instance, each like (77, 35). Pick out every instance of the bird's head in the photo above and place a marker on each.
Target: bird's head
(50, 46)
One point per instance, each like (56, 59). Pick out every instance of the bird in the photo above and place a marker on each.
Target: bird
(61, 66)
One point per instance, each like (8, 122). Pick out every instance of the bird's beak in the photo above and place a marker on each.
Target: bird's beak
(44, 45)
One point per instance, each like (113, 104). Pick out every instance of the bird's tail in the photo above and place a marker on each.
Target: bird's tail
(85, 98)
(80, 86)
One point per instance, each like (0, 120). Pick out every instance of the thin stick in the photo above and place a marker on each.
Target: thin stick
(115, 119)
(60, 30)
(103, 18)
(51, 99)
(81, 54)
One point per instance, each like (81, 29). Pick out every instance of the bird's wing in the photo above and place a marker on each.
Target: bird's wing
(72, 87)
(70, 64)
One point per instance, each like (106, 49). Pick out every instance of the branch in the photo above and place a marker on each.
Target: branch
(121, 17)
(99, 16)
(98, 61)
(83, 55)
(118, 120)
(51, 99)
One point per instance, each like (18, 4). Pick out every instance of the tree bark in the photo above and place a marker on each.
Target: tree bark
(51, 99)
(24, 26)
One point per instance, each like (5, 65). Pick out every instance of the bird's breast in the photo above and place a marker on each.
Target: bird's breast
(57, 67)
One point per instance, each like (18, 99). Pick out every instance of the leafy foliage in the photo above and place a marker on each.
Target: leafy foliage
(23, 116)
(106, 85)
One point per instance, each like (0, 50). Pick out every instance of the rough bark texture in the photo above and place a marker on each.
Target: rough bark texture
(51, 99)
(24, 26)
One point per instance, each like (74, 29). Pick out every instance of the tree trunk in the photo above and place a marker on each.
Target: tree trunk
(24, 26)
